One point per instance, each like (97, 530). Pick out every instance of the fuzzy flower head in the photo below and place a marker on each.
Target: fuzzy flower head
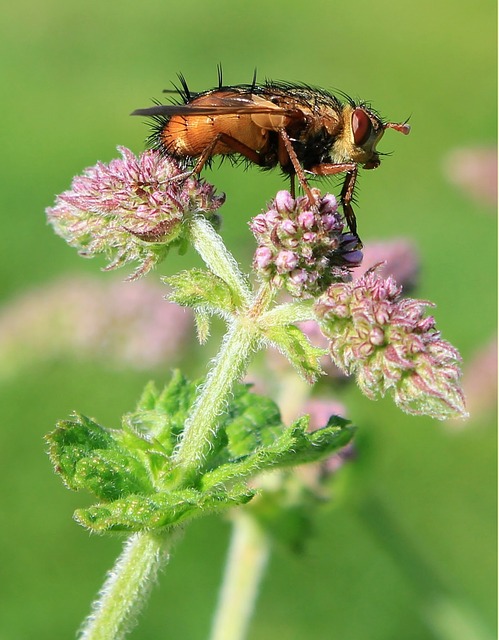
(391, 346)
(131, 209)
(301, 248)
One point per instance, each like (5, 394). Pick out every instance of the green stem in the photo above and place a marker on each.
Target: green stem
(248, 555)
(200, 428)
(128, 584)
(239, 342)
(218, 259)
(126, 587)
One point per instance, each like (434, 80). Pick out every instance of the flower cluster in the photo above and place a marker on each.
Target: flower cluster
(132, 209)
(116, 322)
(302, 248)
(389, 344)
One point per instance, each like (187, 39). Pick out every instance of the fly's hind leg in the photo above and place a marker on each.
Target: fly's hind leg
(234, 145)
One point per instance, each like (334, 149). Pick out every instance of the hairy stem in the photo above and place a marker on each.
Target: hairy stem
(248, 555)
(217, 258)
(232, 360)
(126, 587)
(200, 428)
(128, 584)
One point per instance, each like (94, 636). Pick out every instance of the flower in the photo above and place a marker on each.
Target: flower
(118, 323)
(390, 346)
(474, 170)
(132, 209)
(300, 248)
(480, 381)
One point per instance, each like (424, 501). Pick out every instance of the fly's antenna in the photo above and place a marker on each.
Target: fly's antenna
(403, 127)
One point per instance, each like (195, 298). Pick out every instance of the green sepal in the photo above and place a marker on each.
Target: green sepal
(164, 509)
(202, 289)
(297, 348)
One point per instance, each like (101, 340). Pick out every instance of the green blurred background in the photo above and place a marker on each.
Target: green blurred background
(407, 551)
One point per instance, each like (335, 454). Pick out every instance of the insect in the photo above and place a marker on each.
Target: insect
(301, 129)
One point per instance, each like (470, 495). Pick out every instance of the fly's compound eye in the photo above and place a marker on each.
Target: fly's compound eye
(361, 127)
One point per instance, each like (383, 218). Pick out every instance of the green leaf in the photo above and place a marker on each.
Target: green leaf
(294, 446)
(296, 347)
(132, 470)
(139, 513)
(89, 456)
(288, 313)
(201, 289)
(110, 475)
(251, 421)
(161, 416)
(74, 440)
(202, 320)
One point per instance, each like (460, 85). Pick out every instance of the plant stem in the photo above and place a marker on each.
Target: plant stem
(248, 555)
(200, 427)
(128, 584)
(217, 258)
(126, 587)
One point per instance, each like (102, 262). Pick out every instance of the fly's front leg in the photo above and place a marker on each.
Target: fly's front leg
(346, 192)
(346, 199)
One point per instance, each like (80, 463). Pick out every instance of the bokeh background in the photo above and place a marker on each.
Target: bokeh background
(407, 547)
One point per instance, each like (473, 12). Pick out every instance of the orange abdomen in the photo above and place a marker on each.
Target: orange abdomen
(191, 135)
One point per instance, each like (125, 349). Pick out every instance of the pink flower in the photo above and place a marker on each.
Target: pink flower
(474, 169)
(307, 247)
(120, 323)
(131, 209)
(390, 346)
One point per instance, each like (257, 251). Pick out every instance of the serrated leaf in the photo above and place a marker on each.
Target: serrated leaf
(110, 475)
(149, 397)
(89, 456)
(251, 421)
(73, 440)
(296, 347)
(294, 446)
(161, 416)
(140, 513)
(201, 289)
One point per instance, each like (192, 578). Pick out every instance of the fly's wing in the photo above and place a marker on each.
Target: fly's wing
(219, 104)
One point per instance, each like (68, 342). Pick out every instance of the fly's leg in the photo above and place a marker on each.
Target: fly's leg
(229, 141)
(347, 190)
(298, 169)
